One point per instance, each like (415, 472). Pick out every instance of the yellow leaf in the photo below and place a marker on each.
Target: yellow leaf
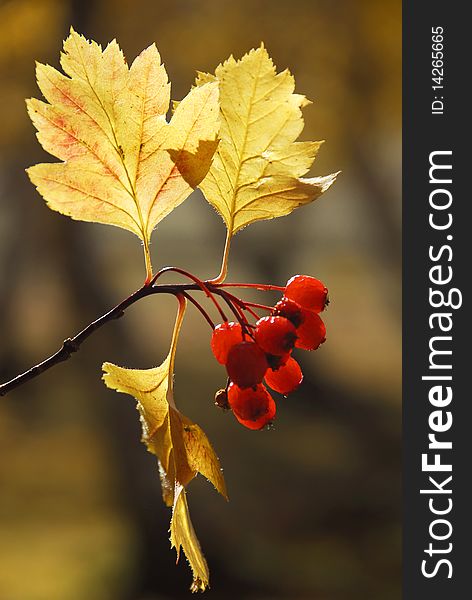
(107, 123)
(257, 172)
(182, 534)
(181, 447)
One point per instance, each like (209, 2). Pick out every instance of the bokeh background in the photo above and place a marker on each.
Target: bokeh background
(315, 504)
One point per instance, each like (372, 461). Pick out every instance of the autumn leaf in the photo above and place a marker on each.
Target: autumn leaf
(182, 534)
(257, 172)
(181, 447)
(107, 123)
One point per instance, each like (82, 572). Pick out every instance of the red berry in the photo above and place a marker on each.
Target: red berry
(252, 407)
(275, 362)
(246, 364)
(309, 292)
(312, 331)
(289, 309)
(225, 336)
(286, 379)
(275, 335)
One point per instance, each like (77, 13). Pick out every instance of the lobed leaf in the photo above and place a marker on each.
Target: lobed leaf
(122, 162)
(257, 172)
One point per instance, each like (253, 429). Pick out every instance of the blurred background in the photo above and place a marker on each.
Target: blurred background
(314, 510)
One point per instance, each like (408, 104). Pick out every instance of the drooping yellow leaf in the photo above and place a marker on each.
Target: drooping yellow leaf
(107, 123)
(182, 535)
(257, 172)
(181, 447)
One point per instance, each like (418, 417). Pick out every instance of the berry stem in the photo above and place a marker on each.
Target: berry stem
(264, 287)
(236, 311)
(240, 303)
(249, 310)
(198, 281)
(200, 308)
(261, 306)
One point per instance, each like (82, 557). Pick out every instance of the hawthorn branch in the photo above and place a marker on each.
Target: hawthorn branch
(210, 288)
(73, 344)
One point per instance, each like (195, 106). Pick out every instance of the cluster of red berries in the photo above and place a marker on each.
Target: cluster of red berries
(262, 352)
